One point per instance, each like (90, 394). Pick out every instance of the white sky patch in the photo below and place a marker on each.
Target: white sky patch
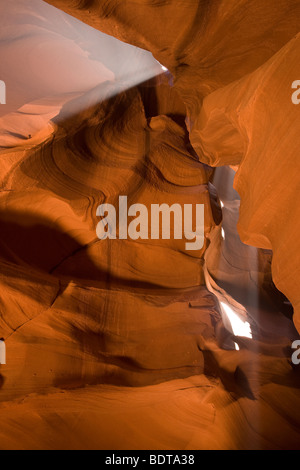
(162, 66)
(67, 57)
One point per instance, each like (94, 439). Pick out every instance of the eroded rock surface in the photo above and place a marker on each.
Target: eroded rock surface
(123, 344)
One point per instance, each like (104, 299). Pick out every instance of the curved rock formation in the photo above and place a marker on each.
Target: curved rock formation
(203, 57)
(237, 126)
(141, 344)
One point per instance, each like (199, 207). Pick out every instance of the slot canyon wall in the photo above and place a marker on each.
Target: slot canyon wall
(128, 344)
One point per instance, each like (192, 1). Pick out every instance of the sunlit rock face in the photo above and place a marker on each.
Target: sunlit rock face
(141, 344)
(220, 42)
(254, 123)
(107, 150)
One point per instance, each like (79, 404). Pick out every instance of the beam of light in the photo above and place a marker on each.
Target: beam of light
(235, 315)
(65, 58)
(162, 67)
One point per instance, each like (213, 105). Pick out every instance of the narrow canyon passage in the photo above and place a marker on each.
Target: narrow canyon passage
(136, 342)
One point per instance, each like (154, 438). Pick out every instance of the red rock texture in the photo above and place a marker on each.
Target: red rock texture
(123, 344)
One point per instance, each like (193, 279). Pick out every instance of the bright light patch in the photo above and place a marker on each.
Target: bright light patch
(69, 61)
(162, 66)
(2, 352)
(239, 327)
(223, 233)
(222, 204)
